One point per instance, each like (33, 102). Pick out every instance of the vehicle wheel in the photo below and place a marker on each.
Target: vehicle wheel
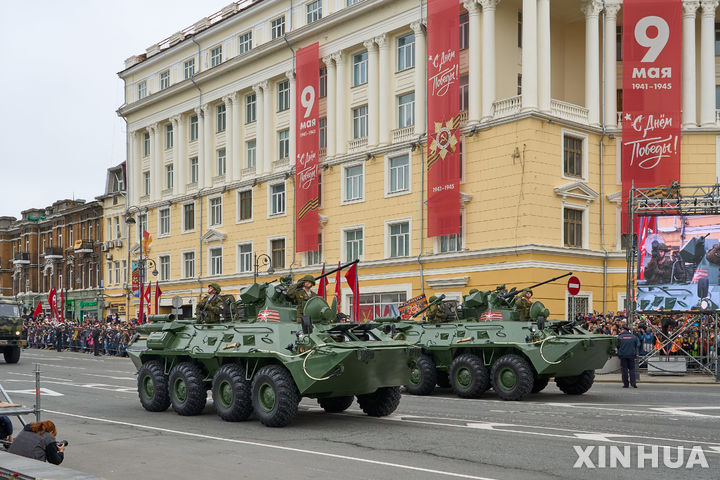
(578, 384)
(443, 379)
(12, 354)
(540, 384)
(187, 389)
(336, 404)
(153, 387)
(381, 402)
(423, 376)
(231, 393)
(468, 376)
(512, 377)
(275, 397)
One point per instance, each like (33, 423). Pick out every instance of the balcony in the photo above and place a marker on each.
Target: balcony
(282, 163)
(357, 144)
(21, 258)
(404, 134)
(53, 253)
(84, 246)
(507, 107)
(569, 111)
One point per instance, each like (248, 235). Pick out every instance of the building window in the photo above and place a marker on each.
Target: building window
(322, 132)
(313, 11)
(277, 199)
(146, 144)
(277, 252)
(519, 84)
(164, 267)
(189, 68)
(245, 205)
(117, 273)
(405, 52)
(141, 223)
(618, 42)
(717, 39)
(360, 68)
(164, 215)
(399, 174)
(451, 243)
(193, 128)
(169, 140)
(169, 180)
(352, 2)
(221, 162)
(216, 261)
(284, 144)
(406, 110)
(245, 256)
(194, 170)
(189, 217)
(164, 79)
(189, 264)
(315, 257)
(572, 156)
(386, 304)
(464, 92)
(283, 98)
(251, 149)
(216, 56)
(250, 103)
(353, 244)
(354, 183)
(277, 27)
(146, 182)
(572, 227)
(220, 117)
(519, 28)
(360, 122)
(399, 240)
(323, 82)
(216, 211)
(245, 42)
(464, 31)
(142, 90)
(118, 233)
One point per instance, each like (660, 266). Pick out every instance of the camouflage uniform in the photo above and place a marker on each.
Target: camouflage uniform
(659, 270)
(297, 294)
(210, 308)
(523, 307)
(436, 313)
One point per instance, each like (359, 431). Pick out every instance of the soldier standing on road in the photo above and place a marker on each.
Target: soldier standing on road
(300, 292)
(523, 303)
(96, 334)
(627, 351)
(211, 306)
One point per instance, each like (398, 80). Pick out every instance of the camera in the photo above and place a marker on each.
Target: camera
(63, 443)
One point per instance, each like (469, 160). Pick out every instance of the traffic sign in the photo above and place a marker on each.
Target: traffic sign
(573, 285)
(177, 301)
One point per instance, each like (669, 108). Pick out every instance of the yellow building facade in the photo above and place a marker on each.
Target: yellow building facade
(210, 114)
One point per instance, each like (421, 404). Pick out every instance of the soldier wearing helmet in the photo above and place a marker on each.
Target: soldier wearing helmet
(523, 303)
(211, 306)
(659, 269)
(300, 292)
(436, 313)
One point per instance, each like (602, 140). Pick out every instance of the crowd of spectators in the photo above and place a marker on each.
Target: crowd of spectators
(109, 337)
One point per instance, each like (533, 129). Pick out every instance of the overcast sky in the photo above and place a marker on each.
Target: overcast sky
(58, 128)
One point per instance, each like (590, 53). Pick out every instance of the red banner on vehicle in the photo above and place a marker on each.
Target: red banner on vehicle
(443, 107)
(652, 48)
(307, 144)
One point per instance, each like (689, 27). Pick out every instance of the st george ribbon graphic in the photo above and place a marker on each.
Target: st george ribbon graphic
(652, 49)
(306, 161)
(443, 107)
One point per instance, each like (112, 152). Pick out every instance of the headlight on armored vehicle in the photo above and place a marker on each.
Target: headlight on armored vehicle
(17, 333)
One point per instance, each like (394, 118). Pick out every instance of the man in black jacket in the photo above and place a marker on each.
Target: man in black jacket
(627, 351)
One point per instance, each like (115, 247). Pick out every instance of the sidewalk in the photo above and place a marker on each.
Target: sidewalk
(689, 379)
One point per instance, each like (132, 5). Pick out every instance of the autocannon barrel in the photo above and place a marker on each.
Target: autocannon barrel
(338, 268)
(512, 294)
(437, 301)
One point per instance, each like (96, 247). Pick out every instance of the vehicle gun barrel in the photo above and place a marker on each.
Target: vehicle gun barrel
(438, 300)
(512, 294)
(338, 268)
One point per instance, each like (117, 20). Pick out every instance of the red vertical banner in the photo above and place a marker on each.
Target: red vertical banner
(306, 148)
(443, 110)
(652, 66)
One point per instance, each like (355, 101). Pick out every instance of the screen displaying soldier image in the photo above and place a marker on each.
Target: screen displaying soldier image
(678, 263)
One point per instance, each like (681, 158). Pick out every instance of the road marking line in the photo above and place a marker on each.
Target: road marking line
(43, 391)
(276, 447)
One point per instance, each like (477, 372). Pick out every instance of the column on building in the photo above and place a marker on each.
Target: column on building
(689, 93)
(543, 50)
(207, 144)
(341, 115)
(134, 173)
(420, 77)
(707, 63)
(179, 180)
(293, 101)
(373, 93)
(529, 55)
(156, 165)
(201, 147)
(229, 144)
(259, 128)
(236, 158)
(474, 92)
(385, 96)
(488, 57)
(330, 113)
(592, 10)
(611, 11)
(268, 127)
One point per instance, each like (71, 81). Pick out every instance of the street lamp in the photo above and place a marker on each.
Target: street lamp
(260, 261)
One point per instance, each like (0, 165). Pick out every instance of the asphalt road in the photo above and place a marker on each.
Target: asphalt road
(94, 403)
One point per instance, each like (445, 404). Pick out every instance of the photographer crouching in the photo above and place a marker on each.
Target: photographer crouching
(37, 441)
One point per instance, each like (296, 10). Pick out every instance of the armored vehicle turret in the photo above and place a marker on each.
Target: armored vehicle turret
(260, 360)
(11, 329)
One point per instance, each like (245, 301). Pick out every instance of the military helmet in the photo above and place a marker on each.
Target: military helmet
(307, 278)
(473, 290)
(432, 299)
(216, 287)
(663, 247)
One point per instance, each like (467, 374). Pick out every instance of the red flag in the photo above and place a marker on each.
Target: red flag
(52, 300)
(62, 305)
(147, 240)
(148, 296)
(338, 290)
(158, 292)
(352, 278)
(140, 310)
(322, 286)
(38, 310)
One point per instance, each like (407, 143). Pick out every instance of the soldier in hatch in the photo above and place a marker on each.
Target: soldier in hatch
(436, 313)
(211, 306)
(523, 303)
(300, 292)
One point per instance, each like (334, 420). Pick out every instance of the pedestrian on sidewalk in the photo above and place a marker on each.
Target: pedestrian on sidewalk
(627, 352)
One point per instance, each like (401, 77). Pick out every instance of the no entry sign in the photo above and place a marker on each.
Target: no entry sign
(573, 285)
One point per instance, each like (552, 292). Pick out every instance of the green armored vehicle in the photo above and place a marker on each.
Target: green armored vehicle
(489, 340)
(260, 360)
(11, 328)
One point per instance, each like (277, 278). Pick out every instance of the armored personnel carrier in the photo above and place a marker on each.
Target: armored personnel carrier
(11, 329)
(484, 342)
(260, 360)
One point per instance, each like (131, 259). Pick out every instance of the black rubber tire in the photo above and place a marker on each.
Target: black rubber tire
(539, 384)
(443, 379)
(578, 384)
(336, 404)
(153, 387)
(12, 354)
(381, 402)
(231, 393)
(274, 381)
(425, 376)
(188, 395)
(515, 367)
(468, 375)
